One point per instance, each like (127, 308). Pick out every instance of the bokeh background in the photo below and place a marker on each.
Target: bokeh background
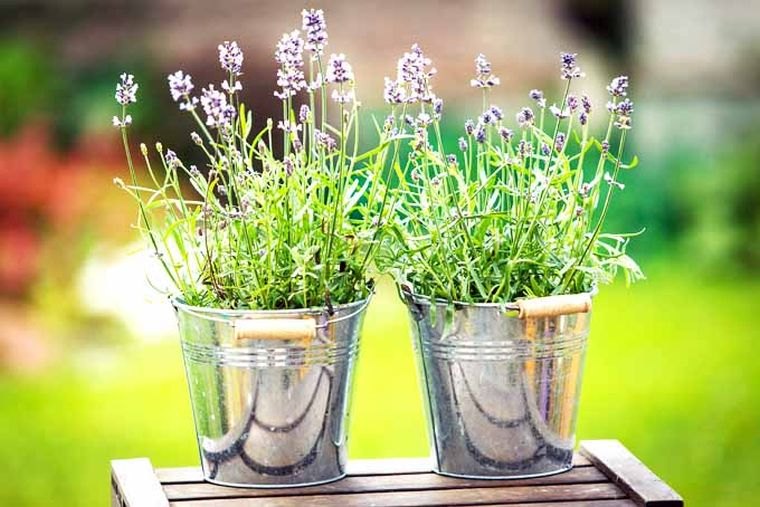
(90, 366)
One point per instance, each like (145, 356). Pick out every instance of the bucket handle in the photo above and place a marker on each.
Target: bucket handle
(275, 329)
(552, 306)
(278, 329)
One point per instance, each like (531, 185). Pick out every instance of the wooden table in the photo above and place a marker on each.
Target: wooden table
(605, 474)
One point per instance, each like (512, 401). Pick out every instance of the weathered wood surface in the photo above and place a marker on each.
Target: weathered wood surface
(625, 470)
(134, 483)
(605, 474)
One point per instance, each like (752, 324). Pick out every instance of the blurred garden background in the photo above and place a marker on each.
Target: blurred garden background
(90, 367)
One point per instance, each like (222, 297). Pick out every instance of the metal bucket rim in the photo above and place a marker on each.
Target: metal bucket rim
(178, 304)
(422, 299)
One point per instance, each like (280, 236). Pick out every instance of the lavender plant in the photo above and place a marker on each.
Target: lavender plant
(261, 227)
(509, 212)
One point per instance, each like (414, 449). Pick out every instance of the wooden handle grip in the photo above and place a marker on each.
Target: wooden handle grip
(275, 329)
(553, 306)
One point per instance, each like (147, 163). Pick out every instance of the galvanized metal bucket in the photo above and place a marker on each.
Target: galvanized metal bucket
(270, 391)
(501, 383)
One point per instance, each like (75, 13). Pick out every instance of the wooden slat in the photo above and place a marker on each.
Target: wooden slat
(135, 483)
(623, 468)
(590, 503)
(471, 496)
(179, 475)
(356, 467)
(380, 483)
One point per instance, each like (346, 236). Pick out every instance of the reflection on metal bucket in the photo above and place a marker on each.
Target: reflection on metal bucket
(271, 403)
(501, 392)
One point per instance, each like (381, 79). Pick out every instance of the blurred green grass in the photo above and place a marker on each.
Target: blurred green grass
(671, 371)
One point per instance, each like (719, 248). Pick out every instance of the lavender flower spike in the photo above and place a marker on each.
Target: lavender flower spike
(304, 114)
(338, 69)
(412, 69)
(623, 111)
(122, 122)
(538, 96)
(289, 55)
(218, 112)
(180, 87)
(569, 69)
(126, 89)
(525, 117)
(559, 142)
(618, 87)
(231, 57)
(393, 93)
(313, 23)
(483, 76)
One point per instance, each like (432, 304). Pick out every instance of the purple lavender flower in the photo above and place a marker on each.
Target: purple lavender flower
(525, 117)
(338, 69)
(506, 134)
(462, 144)
(545, 149)
(524, 148)
(469, 127)
(180, 87)
(288, 126)
(605, 146)
(559, 141)
(420, 142)
(569, 69)
(438, 107)
(586, 103)
(610, 181)
(289, 55)
(423, 120)
(618, 86)
(288, 165)
(171, 159)
(218, 112)
(558, 113)
(394, 93)
(122, 122)
(325, 141)
(623, 110)
(196, 138)
(126, 89)
(231, 88)
(480, 133)
(496, 112)
(313, 23)
(412, 68)
(343, 96)
(487, 118)
(451, 159)
(388, 123)
(482, 65)
(538, 96)
(583, 118)
(304, 113)
(231, 57)
(572, 103)
(483, 76)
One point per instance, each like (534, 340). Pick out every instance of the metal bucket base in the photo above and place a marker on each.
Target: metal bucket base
(503, 477)
(273, 486)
